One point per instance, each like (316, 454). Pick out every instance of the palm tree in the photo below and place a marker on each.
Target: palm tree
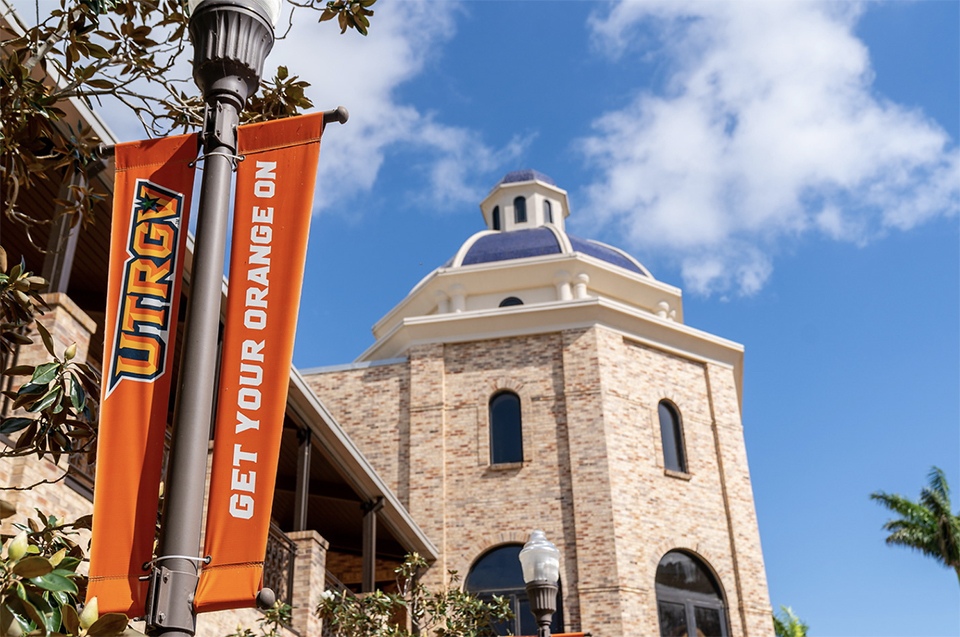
(929, 525)
(786, 624)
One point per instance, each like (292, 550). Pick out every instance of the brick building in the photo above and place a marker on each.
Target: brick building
(540, 380)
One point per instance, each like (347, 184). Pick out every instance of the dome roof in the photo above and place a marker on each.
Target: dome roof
(525, 175)
(489, 247)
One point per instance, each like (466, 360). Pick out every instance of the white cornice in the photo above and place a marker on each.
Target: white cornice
(606, 280)
(525, 320)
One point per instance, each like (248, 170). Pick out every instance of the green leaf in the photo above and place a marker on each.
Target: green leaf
(13, 425)
(30, 567)
(54, 582)
(48, 399)
(109, 624)
(45, 373)
(77, 396)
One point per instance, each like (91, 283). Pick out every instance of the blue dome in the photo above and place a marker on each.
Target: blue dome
(535, 242)
(604, 253)
(519, 244)
(526, 175)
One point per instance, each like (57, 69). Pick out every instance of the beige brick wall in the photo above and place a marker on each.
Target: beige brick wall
(592, 477)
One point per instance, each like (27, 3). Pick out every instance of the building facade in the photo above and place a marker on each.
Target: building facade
(540, 380)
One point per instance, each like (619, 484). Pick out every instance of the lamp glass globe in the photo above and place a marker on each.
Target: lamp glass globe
(540, 559)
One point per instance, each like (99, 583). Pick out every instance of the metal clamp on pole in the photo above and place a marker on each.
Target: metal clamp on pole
(165, 610)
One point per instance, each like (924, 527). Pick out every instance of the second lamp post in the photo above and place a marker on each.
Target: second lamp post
(540, 561)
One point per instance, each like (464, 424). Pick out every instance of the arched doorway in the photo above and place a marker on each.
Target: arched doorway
(689, 598)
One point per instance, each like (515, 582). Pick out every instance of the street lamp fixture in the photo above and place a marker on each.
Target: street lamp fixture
(231, 40)
(540, 561)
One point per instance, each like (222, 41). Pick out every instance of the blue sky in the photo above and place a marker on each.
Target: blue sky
(793, 167)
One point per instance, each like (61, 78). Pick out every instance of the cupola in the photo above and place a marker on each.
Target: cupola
(525, 199)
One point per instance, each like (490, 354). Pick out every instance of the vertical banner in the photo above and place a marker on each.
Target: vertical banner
(274, 200)
(147, 246)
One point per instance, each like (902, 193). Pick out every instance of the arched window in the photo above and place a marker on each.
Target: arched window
(497, 572)
(496, 217)
(671, 434)
(510, 300)
(519, 210)
(506, 429)
(689, 599)
(547, 211)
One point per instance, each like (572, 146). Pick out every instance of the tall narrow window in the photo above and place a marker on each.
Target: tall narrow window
(496, 217)
(671, 434)
(506, 430)
(498, 572)
(547, 211)
(689, 599)
(519, 210)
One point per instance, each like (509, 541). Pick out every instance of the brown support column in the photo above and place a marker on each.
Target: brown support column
(370, 544)
(302, 496)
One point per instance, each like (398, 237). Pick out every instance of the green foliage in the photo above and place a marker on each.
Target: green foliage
(450, 612)
(39, 584)
(786, 624)
(60, 398)
(350, 14)
(127, 50)
(928, 525)
(269, 624)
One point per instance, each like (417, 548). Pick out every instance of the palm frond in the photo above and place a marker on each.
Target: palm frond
(927, 526)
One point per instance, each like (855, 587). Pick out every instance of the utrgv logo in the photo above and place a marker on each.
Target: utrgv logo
(143, 318)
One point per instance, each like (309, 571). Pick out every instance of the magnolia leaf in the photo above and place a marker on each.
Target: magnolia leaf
(54, 582)
(13, 425)
(31, 611)
(71, 621)
(31, 567)
(20, 339)
(77, 396)
(109, 624)
(45, 373)
(47, 339)
(7, 509)
(19, 370)
(48, 399)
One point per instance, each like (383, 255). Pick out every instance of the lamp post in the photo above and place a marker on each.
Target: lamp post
(540, 561)
(231, 39)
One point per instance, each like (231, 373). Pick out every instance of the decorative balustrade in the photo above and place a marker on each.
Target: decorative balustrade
(278, 564)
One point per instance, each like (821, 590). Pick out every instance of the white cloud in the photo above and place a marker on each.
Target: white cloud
(767, 129)
(364, 74)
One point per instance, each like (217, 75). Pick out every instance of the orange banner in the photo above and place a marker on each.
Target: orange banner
(272, 210)
(147, 246)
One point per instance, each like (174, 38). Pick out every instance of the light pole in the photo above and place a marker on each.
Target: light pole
(540, 561)
(231, 39)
